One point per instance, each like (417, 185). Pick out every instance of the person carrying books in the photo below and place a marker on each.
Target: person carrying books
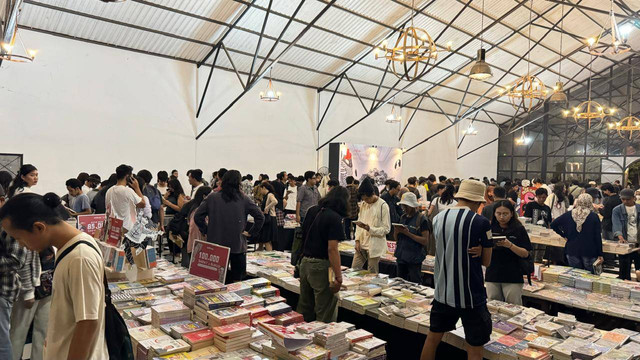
(462, 248)
(322, 230)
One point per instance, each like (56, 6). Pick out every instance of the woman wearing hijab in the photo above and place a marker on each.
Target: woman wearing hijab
(581, 228)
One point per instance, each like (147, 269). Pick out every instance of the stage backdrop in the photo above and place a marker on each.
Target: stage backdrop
(378, 162)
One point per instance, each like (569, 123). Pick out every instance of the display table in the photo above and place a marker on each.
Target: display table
(548, 237)
(276, 267)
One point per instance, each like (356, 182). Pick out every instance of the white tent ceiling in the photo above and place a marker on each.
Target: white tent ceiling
(187, 30)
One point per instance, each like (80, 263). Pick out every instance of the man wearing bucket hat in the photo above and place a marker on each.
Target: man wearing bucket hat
(625, 228)
(411, 234)
(463, 245)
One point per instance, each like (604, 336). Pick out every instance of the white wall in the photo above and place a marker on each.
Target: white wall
(103, 106)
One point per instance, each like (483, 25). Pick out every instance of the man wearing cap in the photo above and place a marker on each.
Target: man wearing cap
(625, 229)
(463, 245)
(411, 234)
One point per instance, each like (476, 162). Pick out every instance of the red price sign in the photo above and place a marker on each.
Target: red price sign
(391, 247)
(91, 223)
(114, 231)
(209, 261)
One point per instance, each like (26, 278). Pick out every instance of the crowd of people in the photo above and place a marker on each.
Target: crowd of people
(466, 224)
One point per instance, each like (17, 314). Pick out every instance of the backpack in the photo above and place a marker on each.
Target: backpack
(116, 334)
(155, 199)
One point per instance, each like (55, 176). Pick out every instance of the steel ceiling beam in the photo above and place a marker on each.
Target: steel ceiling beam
(380, 104)
(595, 10)
(224, 36)
(264, 26)
(258, 77)
(115, 22)
(168, 57)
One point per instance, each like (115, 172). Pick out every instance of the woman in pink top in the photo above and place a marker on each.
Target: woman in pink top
(194, 232)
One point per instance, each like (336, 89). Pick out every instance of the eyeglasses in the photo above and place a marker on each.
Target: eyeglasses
(503, 214)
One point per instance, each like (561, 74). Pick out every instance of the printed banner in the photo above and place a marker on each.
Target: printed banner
(391, 246)
(380, 163)
(527, 195)
(209, 261)
(91, 223)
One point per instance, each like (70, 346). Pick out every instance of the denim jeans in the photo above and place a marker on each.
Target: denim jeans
(581, 262)
(5, 321)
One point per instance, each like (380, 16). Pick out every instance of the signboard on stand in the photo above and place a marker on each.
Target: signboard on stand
(91, 224)
(527, 195)
(209, 261)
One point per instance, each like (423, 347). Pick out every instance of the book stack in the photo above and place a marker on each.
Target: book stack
(266, 319)
(199, 339)
(533, 354)
(169, 313)
(273, 300)
(333, 338)
(543, 343)
(170, 278)
(227, 316)
(351, 355)
(358, 335)
(232, 337)
(258, 283)
(510, 309)
(371, 348)
(192, 292)
(616, 337)
(218, 301)
(179, 330)
(143, 333)
(548, 328)
(419, 323)
(371, 289)
(251, 300)
(257, 311)
(266, 291)
(562, 351)
(309, 352)
(391, 293)
(586, 352)
(277, 309)
(503, 327)
(311, 327)
(361, 306)
(239, 288)
(160, 346)
(289, 318)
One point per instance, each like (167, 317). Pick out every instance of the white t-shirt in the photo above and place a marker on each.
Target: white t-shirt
(632, 224)
(121, 202)
(78, 294)
(293, 196)
(147, 207)
(162, 189)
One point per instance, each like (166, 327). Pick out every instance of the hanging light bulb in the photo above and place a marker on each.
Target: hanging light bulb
(481, 70)
(393, 117)
(270, 94)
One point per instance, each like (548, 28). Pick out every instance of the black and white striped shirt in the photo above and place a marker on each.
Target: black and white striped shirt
(458, 277)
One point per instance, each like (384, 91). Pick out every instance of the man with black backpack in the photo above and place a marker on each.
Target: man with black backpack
(155, 198)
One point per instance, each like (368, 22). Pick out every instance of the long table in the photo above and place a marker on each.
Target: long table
(608, 246)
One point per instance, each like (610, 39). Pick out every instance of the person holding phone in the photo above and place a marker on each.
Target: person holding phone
(372, 226)
(503, 278)
(411, 235)
(123, 199)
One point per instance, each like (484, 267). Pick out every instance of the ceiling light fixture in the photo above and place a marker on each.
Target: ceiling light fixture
(528, 92)
(470, 130)
(270, 94)
(629, 124)
(393, 118)
(481, 70)
(413, 51)
(618, 39)
(559, 96)
(590, 110)
(9, 35)
(523, 139)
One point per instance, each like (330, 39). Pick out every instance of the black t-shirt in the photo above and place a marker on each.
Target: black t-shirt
(537, 213)
(279, 188)
(505, 267)
(321, 225)
(408, 251)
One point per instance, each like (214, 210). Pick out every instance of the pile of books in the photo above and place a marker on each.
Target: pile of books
(279, 308)
(372, 348)
(227, 316)
(199, 339)
(218, 301)
(232, 337)
(169, 313)
(160, 346)
(333, 338)
(192, 292)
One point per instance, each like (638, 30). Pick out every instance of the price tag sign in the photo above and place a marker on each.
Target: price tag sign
(209, 261)
(114, 231)
(91, 223)
(391, 247)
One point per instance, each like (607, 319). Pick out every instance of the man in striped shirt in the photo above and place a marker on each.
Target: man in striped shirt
(463, 245)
